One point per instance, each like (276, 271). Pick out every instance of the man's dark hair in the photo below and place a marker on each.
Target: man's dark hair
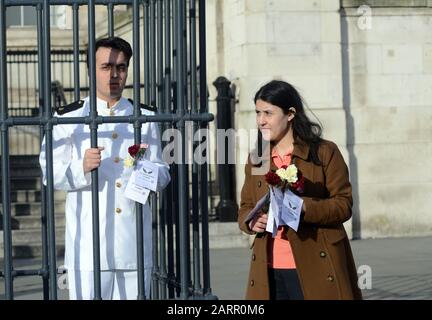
(114, 43)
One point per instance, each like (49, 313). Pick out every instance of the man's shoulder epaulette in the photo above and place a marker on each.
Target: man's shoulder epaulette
(145, 106)
(70, 107)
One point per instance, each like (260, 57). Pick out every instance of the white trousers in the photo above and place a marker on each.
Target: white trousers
(115, 284)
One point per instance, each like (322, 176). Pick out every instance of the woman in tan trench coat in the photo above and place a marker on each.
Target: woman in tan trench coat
(315, 262)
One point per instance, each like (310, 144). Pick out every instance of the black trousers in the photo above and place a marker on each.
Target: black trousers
(284, 284)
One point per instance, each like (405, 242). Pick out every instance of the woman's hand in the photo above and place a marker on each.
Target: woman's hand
(259, 223)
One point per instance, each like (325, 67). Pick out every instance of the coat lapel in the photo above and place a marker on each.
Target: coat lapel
(301, 149)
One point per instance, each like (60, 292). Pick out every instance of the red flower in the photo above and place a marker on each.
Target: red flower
(272, 178)
(133, 150)
(298, 185)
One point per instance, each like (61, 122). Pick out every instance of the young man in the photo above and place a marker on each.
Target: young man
(73, 162)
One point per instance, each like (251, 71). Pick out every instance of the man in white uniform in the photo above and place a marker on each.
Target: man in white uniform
(73, 162)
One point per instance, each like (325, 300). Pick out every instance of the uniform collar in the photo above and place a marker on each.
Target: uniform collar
(102, 107)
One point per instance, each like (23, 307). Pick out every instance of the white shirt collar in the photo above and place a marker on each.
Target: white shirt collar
(103, 110)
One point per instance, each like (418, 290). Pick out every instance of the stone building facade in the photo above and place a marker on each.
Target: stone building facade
(364, 69)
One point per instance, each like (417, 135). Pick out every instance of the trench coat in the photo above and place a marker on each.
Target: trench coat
(320, 247)
(117, 215)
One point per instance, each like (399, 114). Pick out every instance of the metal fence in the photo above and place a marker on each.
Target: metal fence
(23, 82)
(23, 94)
(24, 102)
(173, 35)
(22, 75)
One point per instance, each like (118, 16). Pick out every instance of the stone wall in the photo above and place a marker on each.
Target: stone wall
(390, 104)
(364, 72)
(369, 87)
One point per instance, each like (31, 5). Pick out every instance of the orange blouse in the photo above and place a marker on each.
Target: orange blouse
(279, 252)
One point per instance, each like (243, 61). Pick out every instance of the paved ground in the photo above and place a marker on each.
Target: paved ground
(401, 268)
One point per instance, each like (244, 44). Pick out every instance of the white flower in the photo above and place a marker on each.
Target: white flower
(289, 174)
(129, 162)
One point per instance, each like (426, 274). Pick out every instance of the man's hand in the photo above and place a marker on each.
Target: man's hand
(92, 159)
(259, 223)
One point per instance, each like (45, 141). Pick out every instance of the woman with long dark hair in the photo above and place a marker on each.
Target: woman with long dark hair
(314, 262)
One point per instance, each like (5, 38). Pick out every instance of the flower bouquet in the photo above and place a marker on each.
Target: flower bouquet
(286, 177)
(136, 152)
(284, 204)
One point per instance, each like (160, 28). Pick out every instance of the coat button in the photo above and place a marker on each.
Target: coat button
(253, 257)
(116, 160)
(252, 283)
(330, 278)
(323, 254)
(118, 210)
(118, 184)
(259, 184)
(111, 113)
(114, 135)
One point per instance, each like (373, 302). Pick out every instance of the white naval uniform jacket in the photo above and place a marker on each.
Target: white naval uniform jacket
(117, 218)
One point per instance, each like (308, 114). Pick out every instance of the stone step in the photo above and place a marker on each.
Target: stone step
(23, 161)
(32, 222)
(24, 166)
(229, 241)
(20, 196)
(30, 209)
(25, 184)
(27, 242)
(25, 172)
(24, 139)
(32, 250)
(225, 235)
(223, 228)
(33, 235)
